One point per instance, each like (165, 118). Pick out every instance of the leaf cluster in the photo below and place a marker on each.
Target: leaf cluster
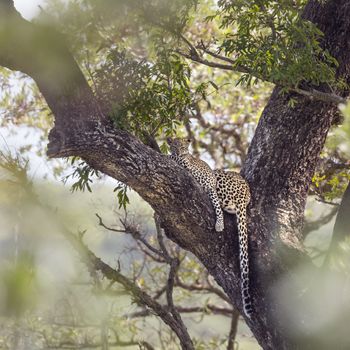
(122, 195)
(145, 98)
(83, 173)
(331, 187)
(272, 41)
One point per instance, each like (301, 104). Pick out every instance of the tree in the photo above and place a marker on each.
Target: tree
(279, 167)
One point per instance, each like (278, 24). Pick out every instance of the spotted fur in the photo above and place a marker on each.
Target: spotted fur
(201, 171)
(228, 191)
(234, 195)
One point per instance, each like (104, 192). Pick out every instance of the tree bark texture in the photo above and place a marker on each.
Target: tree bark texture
(281, 160)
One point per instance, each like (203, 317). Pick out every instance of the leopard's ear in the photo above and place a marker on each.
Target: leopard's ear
(169, 140)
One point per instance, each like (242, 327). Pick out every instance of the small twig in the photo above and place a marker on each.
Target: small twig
(174, 264)
(174, 267)
(201, 288)
(193, 51)
(218, 56)
(315, 225)
(207, 309)
(88, 345)
(158, 294)
(233, 331)
(134, 232)
(327, 202)
(155, 258)
(206, 62)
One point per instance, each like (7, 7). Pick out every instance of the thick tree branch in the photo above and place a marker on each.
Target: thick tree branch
(118, 154)
(341, 231)
(315, 225)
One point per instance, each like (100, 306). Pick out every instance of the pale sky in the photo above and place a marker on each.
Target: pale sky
(28, 8)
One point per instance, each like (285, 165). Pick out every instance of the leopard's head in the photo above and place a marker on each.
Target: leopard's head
(178, 146)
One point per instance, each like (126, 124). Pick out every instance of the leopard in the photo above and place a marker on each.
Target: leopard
(231, 192)
(201, 171)
(234, 195)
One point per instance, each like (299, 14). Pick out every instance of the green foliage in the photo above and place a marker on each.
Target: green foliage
(145, 98)
(331, 187)
(123, 198)
(19, 285)
(342, 133)
(16, 167)
(271, 40)
(83, 173)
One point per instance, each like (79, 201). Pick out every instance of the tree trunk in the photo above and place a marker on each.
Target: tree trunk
(279, 166)
(280, 163)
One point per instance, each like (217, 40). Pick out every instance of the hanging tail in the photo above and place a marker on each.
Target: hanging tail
(244, 260)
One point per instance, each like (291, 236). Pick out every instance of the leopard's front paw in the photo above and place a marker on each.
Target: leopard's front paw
(219, 226)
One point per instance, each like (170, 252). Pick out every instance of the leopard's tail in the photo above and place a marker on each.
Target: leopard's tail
(244, 260)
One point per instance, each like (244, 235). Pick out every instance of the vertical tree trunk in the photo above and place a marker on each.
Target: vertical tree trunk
(280, 163)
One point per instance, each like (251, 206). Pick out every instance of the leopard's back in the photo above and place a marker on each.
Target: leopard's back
(232, 189)
(201, 171)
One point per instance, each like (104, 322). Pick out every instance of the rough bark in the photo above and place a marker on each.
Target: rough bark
(280, 163)
(279, 166)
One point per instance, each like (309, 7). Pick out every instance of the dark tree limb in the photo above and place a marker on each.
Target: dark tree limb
(342, 223)
(134, 232)
(207, 309)
(202, 288)
(316, 224)
(170, 317)
(233, 331)
(341, 231)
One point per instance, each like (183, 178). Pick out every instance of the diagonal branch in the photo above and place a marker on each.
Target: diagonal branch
(341, 232)
(234, 67)
(134, 232)
(141, 297)
(207, 309)
(233, 331)
(315, 225)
